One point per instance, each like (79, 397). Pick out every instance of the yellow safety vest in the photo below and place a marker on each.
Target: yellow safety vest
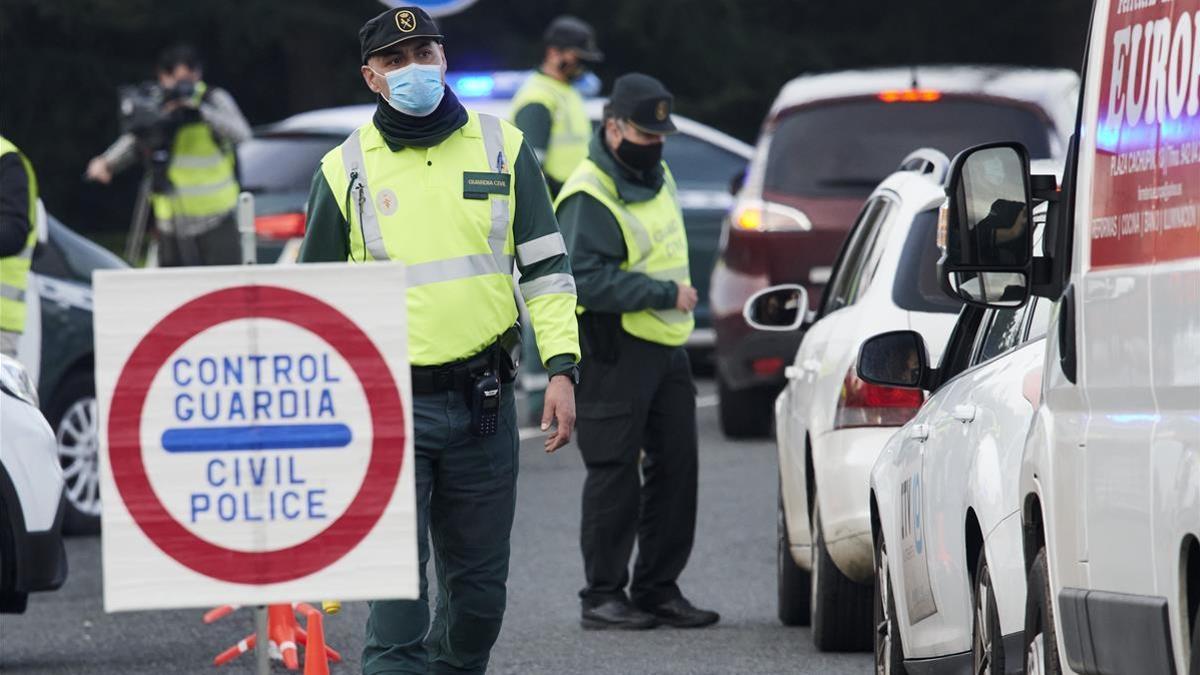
(447, 212)
(14, 270)
(570, 128)
(202, 173)
(655, 243)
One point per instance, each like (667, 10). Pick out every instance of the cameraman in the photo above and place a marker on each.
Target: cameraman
(191, 150)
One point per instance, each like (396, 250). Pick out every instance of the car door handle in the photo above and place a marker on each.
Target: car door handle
(919, 432)
(964, 413)
(793, 373)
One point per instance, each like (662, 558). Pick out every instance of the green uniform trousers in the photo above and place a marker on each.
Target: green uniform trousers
(466, 497)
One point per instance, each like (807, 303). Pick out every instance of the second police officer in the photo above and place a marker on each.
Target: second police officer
(549, 110)
(637, 402)
(455, 195)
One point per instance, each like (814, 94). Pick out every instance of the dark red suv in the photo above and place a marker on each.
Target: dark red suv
(827, 142)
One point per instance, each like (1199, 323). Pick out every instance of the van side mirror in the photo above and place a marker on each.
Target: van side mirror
(895, 359)
(777, 308)
(985, 229)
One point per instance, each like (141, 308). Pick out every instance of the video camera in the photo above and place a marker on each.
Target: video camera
(142, 114)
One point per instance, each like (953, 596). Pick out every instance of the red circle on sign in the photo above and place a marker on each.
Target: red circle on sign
(387, 429)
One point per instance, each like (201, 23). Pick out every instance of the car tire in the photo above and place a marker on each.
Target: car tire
(842, 609)
(73, 416)
(1041, 641)
(889, 647)
(745, 413)
(11, 602)
(987, 640)
(1195, 668)
(793, 582)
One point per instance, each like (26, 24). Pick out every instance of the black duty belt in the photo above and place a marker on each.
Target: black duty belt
(459, 375)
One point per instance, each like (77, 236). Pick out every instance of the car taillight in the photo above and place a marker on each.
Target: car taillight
(909, 95)
(769, 365)
(280, 225)
(862, 404)
(759, 216)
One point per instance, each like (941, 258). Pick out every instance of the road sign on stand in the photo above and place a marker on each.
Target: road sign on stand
(256, 438)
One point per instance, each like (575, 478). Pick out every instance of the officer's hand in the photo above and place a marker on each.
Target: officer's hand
(99, 170)
(685, 297)
(559, 409)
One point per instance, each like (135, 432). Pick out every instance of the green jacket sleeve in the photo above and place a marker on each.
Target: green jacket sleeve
(534, 121)
(546, 282)
(597, 250)
(326, 236)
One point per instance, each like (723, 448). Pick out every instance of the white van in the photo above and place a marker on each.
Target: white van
(1110, 479)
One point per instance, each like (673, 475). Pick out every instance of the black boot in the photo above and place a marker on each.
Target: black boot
(616, 614)
(680, 613)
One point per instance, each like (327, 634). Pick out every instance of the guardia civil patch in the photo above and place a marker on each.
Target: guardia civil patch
(478, 185)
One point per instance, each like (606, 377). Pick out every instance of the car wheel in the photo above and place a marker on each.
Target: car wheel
(1195, 669)
(1041, 642)
(74, 417)
(793, 582)
(889, 649)
(746, 413)
(841, 608)
(11, 602)
(987, 642)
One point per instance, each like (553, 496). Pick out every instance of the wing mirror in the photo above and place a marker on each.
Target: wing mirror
(777, 308)
(895, 359)
(985, 229)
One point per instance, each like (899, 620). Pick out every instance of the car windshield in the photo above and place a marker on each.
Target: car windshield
(916, 286)
(698, 165)
(845, 149)
(284, 163)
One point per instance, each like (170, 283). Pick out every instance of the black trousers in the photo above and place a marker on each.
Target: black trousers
(219, 246)
(637, 433)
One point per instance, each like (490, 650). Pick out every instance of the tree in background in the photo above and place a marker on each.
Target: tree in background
(725, 60)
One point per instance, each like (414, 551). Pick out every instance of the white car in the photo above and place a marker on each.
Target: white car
(830, 425)
(32, 557)
(949, 578)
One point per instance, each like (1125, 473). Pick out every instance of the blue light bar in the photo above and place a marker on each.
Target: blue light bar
(473, 86)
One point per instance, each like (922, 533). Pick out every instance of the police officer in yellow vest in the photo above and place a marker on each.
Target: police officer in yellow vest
(195, 201)
(456, 195)
(548, 109)
(18, 234)
(637, 403)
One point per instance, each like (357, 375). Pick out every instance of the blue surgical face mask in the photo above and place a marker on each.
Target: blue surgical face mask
(415, 89)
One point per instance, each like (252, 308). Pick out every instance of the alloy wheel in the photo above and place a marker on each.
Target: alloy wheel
(982, 643)
(1035, 655)
(883, 621)
(78, 446)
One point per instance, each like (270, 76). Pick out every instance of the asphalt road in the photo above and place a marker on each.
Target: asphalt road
(732, 570)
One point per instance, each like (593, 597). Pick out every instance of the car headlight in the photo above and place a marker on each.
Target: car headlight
(15, 381)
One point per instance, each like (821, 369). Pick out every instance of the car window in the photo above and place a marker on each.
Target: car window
(873, 246)
(1038, 324)
(846, 148)
(284, 163)
(700, 165)
(916, 286)
(844, 283)
(1002, 333)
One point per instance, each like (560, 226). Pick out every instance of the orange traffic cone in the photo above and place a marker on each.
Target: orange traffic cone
(315, 661)
(281, 626)
(302, 635)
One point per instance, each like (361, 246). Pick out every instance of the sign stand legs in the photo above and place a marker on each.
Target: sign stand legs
(262, 656)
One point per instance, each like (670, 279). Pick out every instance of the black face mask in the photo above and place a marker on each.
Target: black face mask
(639, 157)
(572, 71)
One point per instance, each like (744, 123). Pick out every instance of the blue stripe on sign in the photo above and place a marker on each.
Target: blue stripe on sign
(257, 437)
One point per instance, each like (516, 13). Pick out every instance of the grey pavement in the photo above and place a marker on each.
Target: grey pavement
(732, 570)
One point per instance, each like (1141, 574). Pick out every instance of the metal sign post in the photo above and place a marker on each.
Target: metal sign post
(245, 224)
